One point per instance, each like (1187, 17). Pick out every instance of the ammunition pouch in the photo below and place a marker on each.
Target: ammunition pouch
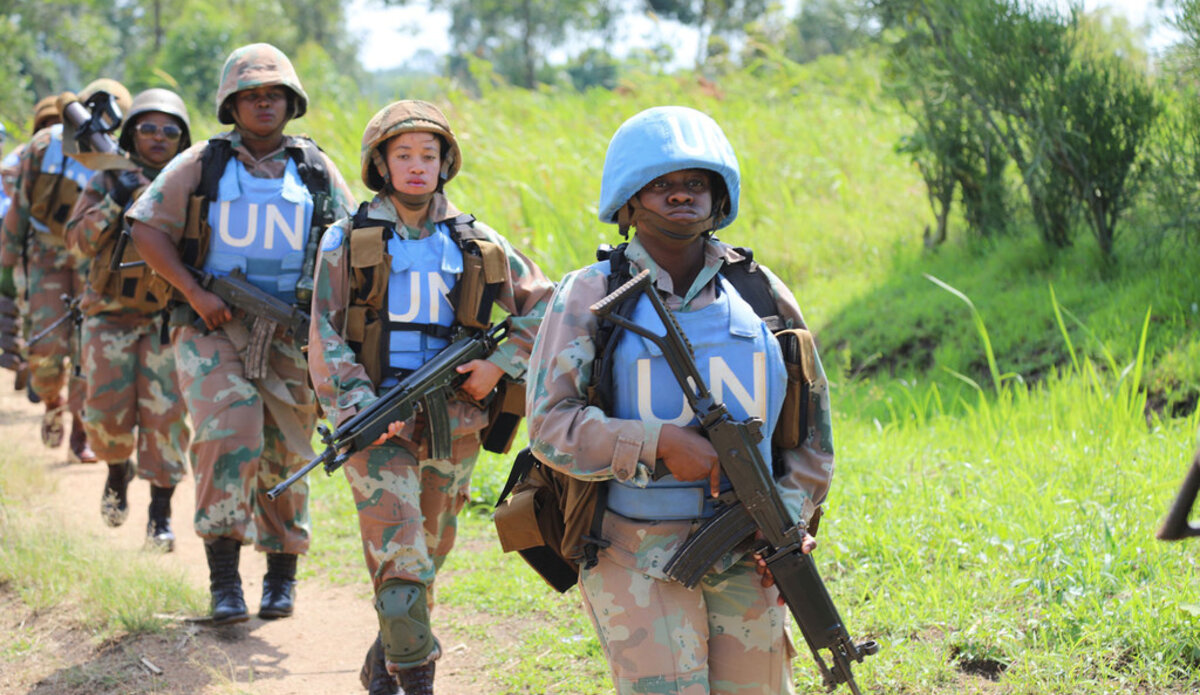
(800, 360)
(404, 623)
(506, 410)
(51, 201)
(484, 268)
(550, 519)
(136, 288)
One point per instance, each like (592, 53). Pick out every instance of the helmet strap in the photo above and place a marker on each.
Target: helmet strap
(412, 201)
(642, 218)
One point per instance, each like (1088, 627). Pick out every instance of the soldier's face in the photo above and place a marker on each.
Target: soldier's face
(152, 138)
(413, 162)
(683, 196)
(262, 111)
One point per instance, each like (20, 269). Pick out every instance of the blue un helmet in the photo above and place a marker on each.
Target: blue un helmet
(658, 141)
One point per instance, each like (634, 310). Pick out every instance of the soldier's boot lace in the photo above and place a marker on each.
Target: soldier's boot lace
(114, 505)
(279, 586)
(374, 675)
(225, 584)
(159, 535)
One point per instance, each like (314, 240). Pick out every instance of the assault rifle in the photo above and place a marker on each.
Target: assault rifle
(88, 128)
(239, 293)
(754, 505)
(1176, 527)
(425, 390)
(72, 314)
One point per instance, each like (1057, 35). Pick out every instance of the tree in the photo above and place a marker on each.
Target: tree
(710, 17)
(825, 27)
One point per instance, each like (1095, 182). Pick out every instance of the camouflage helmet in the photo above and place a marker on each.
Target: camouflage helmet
(406, 116)
(44, 111)
(161, 101)
(258, 65)
(118, 91)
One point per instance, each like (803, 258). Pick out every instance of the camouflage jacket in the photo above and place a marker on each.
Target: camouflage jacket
(164, 204)
(94, 222)
(583, 441)
(45, 250)
(341, 381)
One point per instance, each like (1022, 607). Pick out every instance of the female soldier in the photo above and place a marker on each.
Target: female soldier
(393, 287)
(671, 174)
(131, 372)
(253, 203)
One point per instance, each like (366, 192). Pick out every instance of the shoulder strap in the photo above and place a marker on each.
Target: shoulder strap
(310, 165)
(600, 391)
(754, 287)
(217, 154)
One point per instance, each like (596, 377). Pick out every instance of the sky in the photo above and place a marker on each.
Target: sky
(390, 37)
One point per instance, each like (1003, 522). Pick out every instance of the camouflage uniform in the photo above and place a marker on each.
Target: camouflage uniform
(388, 480)
(248, 435)
(131, 371)
(727, 634)
(46, 269)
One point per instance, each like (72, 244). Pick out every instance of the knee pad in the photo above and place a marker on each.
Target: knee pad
(404, 623)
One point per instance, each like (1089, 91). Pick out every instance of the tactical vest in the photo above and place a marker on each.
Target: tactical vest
(740, 362)
(369, 328)
(197, 232)
(56, 186)
(133, 287)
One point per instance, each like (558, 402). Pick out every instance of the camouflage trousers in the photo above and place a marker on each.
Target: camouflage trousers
(249, 436)
(408, 510)
(49, 357)
(132, 396)
(727, 635)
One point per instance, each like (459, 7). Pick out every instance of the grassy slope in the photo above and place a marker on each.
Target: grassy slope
(967, 535)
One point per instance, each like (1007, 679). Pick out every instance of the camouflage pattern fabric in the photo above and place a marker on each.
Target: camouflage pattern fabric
(584, 442)
(726, 636)
(258, 65)
(132, 395)
(248, 435)
(408, 503)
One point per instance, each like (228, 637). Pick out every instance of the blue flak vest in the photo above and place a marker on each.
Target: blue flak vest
(740, 362)
(55, 163)
(423, 273)
(260, 226)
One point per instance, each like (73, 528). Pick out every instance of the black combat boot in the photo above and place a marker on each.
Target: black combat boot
(279, 586)
(159, 535)
(417, 680)
(374, 675)
(114, 506)
(224, 582)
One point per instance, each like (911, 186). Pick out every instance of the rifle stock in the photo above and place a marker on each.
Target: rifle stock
(1176, 527)
(758, 506)
(425, 390)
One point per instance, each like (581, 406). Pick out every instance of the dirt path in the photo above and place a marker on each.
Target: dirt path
(318, 650)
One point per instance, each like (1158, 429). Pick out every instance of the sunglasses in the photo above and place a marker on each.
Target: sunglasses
(170, 132)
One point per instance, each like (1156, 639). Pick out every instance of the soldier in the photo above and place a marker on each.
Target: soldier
(246, 389)
(131, 370)
(671, 174)
(390, 293)
(48, 184)
(45, 115)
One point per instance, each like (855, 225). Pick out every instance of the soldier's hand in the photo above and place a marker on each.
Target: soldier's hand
(127, 182)
(484, 377)
(689, 456)
(210, 307)
(760, 565)
(392, 430)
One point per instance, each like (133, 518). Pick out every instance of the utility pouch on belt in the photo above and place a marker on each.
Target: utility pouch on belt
(507, 409)
(52, 200)
(548, 518)
(484, 268)
(799, 357)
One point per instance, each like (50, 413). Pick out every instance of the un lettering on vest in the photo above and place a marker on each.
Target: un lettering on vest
(238, 226)
(659, 398)
(425, 298)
